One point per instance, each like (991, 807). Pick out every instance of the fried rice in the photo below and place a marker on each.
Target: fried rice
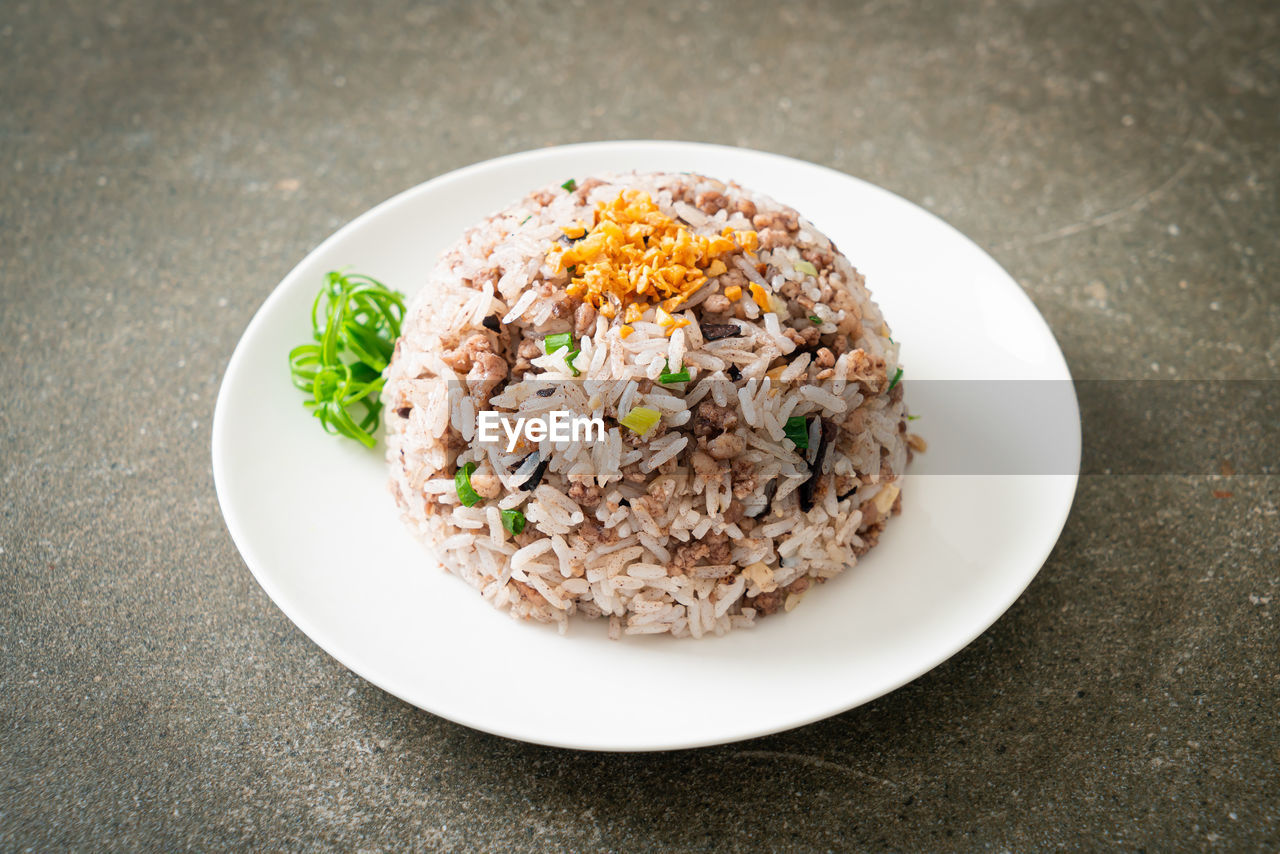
(755, 434)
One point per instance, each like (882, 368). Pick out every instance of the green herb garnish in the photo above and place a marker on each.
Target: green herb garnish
(815, 320)
(513, 521)
(797, 430)
(806, 268)
(568, 360)
(355, 322)
(913, 417)
(462, 482)
(668, 376)
(526, 219)
(570, 185)
(896, 376)
(555, 342)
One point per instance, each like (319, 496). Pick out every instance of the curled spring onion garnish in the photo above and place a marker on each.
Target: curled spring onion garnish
(355, 323)
(897, 376)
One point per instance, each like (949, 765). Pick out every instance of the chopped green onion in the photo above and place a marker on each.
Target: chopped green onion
(913, 417)
(526, 219)
(815, 320)
(462, 482)
(571, 269)
(896, 376)
(555, 342)
(513, 521)
(797, 430)
(570, 185)
(641, 419)
(806, 268)
(668, 376)
(568, 360)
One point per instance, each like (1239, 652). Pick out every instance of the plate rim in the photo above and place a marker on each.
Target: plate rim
(318, 636)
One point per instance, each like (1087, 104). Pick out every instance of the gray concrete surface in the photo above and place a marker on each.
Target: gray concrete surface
(162, 165)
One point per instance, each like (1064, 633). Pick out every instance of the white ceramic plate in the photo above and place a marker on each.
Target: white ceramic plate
(313, 519)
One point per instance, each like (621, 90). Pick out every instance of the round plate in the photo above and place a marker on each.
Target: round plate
(315, 523)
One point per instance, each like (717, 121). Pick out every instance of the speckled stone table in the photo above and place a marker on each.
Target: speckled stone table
(162, 165)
